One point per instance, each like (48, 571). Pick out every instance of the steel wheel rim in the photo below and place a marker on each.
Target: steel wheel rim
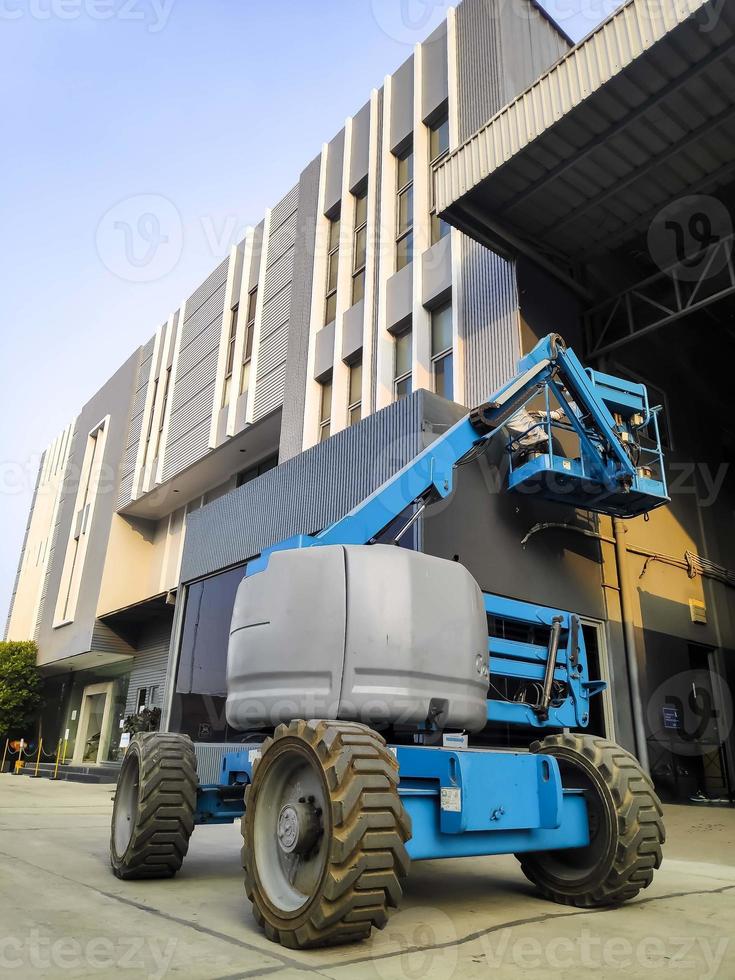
(290, 845)
(126, 805)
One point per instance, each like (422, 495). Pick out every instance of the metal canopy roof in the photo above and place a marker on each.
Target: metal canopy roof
(636, 115)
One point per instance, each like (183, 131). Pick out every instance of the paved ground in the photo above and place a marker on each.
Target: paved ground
(63, 914)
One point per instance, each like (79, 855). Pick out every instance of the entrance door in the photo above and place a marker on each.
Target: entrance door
(93, 734)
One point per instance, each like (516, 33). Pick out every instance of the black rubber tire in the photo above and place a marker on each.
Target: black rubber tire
(367, 825)
(156, 793)
(626, 827)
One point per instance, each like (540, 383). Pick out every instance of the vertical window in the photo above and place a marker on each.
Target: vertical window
(149, 429)
(230, 362)
(325, 410)
(442, 358)
(247, 351)
(402, 368)
(354, 407)
(330, 312)
(77, 547)
(253, 472)
(404, 237)
(162, 417)
(438, 149)
(359, 251)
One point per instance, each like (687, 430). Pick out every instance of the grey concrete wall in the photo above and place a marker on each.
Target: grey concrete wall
(501, 48)
(306, 493)
(114, 399)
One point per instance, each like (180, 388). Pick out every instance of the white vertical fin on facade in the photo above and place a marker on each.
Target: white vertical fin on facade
(371, 254)
(147, 422)
(26, 602)
(420, 317)
(247, 256)
(169, 405)
(318, 298)
(219, 382)
(340, 371)
(250, 411)
(387, 255)
(160, 406)
(456, 236)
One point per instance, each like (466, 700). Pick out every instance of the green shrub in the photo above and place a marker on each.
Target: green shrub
(20, 686)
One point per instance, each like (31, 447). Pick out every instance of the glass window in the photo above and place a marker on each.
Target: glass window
(330, 311)
(354, 407)
(162, 417)
(403, 363)
(359, 258)
(404, 235)
(230, 363)
(149, 430)
(247, 351)
(253, 472)
(439, 139)
(443, 376)
(441, 329)
(438, 149)
(325, 410)
(441, 351)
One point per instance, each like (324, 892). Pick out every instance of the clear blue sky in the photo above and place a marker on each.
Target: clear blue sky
(214, 105)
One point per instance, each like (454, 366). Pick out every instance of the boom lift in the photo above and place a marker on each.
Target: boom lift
(389, 649)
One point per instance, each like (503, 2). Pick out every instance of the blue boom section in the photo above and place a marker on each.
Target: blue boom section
(604, 414)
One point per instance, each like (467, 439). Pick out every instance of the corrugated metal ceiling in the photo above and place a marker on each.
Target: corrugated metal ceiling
(638, 114)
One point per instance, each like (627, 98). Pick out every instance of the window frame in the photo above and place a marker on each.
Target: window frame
(399, 379)
(439, 228)
(325, 420)
(162, 417)
(443, 353)
(358, 271)
(404, 190)
(354, 405)
(247, 350)
(230, 356)
(333, 243)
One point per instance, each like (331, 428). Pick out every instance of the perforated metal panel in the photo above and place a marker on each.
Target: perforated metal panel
(130, 453)
(273, 351)
(196, 370)
(305, 493)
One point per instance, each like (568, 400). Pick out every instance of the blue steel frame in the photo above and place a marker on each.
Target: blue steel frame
(462, 802)
(474, 801)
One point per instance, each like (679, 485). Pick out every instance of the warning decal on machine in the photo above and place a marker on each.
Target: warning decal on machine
(451, 799)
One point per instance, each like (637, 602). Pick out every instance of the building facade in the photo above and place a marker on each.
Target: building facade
(342, 333)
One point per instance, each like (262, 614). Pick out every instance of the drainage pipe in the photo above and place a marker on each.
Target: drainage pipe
(631, 657)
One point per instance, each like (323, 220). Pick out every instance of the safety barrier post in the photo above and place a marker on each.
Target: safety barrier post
(5, 752)
(63, 758)
(38, 757)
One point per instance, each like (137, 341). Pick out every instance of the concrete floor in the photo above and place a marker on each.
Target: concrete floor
(63, 914)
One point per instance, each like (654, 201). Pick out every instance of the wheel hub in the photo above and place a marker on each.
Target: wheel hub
(298, 827)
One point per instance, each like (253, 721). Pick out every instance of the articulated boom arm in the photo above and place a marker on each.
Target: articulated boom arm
(601, 477)
(537, 656)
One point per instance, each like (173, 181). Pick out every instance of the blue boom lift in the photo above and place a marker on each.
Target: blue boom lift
(333, 810)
